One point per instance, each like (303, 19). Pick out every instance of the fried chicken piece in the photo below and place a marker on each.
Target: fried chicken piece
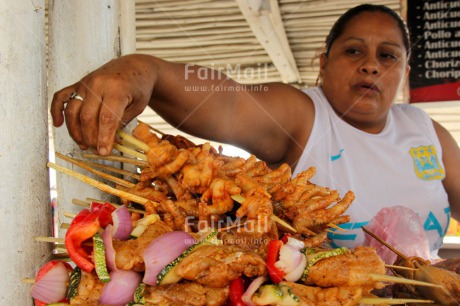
(185, 293)
(317, 296)
(197, 176)
(216, 266)
(89, 290)
(305, 219)
(216, 200)
(351, 269)
(129, 253)
(258, 209)
(252, 241)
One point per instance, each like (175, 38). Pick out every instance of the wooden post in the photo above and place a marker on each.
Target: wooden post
(25, 210)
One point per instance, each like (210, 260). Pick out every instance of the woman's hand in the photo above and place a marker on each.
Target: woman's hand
(111, 97)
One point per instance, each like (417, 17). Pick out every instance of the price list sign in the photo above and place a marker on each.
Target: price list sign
(435, 66)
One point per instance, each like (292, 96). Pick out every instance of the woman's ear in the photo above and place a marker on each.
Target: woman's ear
(322, 64)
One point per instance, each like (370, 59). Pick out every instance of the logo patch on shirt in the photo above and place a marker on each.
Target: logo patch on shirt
(426, 163)
(335, 157)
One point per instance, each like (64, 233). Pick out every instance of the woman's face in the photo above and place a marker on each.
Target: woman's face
(364, 70)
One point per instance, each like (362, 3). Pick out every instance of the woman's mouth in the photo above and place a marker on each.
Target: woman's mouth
(367, 88)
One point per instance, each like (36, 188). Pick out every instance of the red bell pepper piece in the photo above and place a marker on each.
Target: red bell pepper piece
(84, 226)
(236, 289)
(273, 251)
(105, 212)
(285, 238)
(45, 269)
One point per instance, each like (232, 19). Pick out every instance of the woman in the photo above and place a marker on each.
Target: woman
(348, 127)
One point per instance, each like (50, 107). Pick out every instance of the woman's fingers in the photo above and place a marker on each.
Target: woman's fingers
(110, 118)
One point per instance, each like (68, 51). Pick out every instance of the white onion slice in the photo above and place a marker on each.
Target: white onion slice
(120, 290)
(51, 288)
(163, 250)
(255, 284)
(296, 274)
(122, 224)
(298, 244)
(289, 258)
(109, 250)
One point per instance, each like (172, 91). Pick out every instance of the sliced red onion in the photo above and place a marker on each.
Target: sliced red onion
(163, 250)
(122, 224)
(298, 244)
(109, 250)
(120, 290)
(51, 288)
(296, 274)
(289, 259)
(255, 284)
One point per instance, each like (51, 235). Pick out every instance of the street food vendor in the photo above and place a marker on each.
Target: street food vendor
(348, 127)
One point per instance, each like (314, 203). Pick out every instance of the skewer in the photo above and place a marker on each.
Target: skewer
(118, 158)
(390, 301)
(50, 239)
(399, 267)
(336, 227)
(400, 280)
(129, 151)
(99, 185)
(64, 225)
(89, 200)
(152, 128)
(112, 169)
(28, 281)
(134, 141)
(384, 243)
(69, 215)
(109, 177)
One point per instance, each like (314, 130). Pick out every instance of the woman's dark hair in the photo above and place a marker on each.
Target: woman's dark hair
(341, 23)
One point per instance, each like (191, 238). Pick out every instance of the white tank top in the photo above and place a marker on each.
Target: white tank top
(373, 166)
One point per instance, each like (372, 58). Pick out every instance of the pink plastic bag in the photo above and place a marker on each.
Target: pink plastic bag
(403, 229)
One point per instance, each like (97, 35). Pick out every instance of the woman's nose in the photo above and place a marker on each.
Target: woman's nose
(370, 66)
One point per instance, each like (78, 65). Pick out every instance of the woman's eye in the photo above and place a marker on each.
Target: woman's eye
(389, 56)
(352, 51)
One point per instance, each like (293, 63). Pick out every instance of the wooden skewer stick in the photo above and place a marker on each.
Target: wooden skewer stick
(384, 243)
(119, 158)
(401, 280)
(129, 151)
(69, 215)
(109, 177)
(400, 267)
(152, 128)
(134, 141)
(112, 169)
(336, 227)
(28, 281)
(50, 239)
(99, 185)
(64, 225)
(389, 301)
(89, 200)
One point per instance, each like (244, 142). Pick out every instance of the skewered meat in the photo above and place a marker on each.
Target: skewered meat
(351, 269)
(317, 296)
(186, 293)
(216, 266)
(129, 253)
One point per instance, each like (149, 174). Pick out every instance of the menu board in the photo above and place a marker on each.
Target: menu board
(435, 65)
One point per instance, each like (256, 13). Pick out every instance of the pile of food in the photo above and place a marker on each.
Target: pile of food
(201, 228)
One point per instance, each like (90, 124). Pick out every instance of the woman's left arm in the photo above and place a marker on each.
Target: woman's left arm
(451, 160)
